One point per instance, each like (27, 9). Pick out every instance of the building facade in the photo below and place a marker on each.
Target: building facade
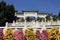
(34, 23)
(31, 14)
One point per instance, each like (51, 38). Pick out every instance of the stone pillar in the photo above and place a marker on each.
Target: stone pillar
(13, 23)
(5, 27)
(24, 21)
(6, 24)
(45, 19)
(36, 17)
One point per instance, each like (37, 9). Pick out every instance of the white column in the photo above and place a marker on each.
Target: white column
(13, 23)
(6, 24)
(24, 21)
(36, 16)
(5, 27)
(45, 19)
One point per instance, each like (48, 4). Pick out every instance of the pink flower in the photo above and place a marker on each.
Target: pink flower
(38, 34)
(1, 34)
(19, 34)
(44, 35)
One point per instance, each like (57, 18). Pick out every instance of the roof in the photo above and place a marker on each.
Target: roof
(30, 11)
(19, 13)
(42, 13)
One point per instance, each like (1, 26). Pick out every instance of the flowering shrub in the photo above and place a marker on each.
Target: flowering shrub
(29, 34)
(1, 34)
(44, 35)
(38, 35)
(48, 31)
(58, 37)
(53, 33)
(19, 34)
(8, 34)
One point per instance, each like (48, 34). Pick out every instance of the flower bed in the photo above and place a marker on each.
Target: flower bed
(30, 34)
(19, 34)
(1, 34)
(9, 34)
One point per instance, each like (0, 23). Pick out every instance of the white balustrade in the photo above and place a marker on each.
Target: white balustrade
(32, 24)
(36, 23)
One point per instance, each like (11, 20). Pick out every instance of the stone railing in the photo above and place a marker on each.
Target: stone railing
(48, 24)
(34, 24)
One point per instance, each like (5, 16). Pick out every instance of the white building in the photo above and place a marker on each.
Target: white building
(34, 23)
(31, 13)
(34, 14)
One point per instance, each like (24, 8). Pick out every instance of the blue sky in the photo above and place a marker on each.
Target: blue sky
(51, 6)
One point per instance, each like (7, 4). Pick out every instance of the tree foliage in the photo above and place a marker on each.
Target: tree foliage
(7, 13)
(59, 14)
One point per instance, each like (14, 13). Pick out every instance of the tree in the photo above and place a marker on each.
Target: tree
(7, 13)
(48, 17)
(2, 18)
(59, 14)
(55, 18)
(39, 19)
(28, 19)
